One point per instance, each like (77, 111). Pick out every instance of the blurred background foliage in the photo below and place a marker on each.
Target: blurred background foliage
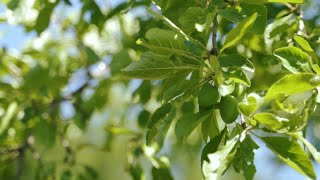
(67, 112)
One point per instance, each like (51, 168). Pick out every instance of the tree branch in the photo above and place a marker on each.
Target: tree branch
(214, 51)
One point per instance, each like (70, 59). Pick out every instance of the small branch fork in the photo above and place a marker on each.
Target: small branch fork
(214, 51)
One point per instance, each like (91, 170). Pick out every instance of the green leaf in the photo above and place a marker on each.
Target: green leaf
(143, 118)
(287, 1)
(188, 122)
(175, 28)
(216, 69)
(231, 15)
(304, 44)
(214, 145)
(279, 29)
(160, 123)
(144, 92)
(238, 76)
(269, 120)
(154, 66)
(164, 41)
(220, 160)
(312, 149)
(119, 61)
(248, 106)
(237, 33)
(161, 173)
(261, 22)
(44, 133)
(290, 152)
(44, 16)
(210, 127)
(293, 84)
(6, 119)
(190, 18)
(293, 59)
(208, 95)
(244, 158)
(270, 1)
(236, 61)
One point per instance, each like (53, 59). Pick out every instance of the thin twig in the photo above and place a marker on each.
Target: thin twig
(214, 51)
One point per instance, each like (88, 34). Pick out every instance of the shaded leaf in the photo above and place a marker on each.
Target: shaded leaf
(236, 61)
(188, 122)
(238, 76)
(44, 133)
(44, 16)
(244, 158)
(210, 127)
(160, 123)
(214, 145)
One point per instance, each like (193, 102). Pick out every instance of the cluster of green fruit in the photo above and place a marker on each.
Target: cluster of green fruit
(228, 105)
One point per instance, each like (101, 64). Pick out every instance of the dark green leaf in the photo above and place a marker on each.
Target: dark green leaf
(210, 127)
(214, 145)
(44, 16)
(208, 95)
(244, 158)
(188, 122)
(44, 133)
(236, 61)
(160, 123)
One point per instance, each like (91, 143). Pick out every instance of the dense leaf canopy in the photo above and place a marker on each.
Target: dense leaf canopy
(158, 89)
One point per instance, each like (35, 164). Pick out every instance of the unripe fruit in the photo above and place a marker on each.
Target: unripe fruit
(229, 109)
(208, 95)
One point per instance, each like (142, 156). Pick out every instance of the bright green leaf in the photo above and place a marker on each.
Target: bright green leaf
(293, 84)
(290, 152)
(269, 120)
(153, 66)
(237, 33)
(312, 149)
(293, 59)
(220, 160)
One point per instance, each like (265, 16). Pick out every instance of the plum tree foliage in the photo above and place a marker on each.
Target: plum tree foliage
(225, 75)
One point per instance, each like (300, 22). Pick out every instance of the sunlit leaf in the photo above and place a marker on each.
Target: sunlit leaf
(293, 84)
(293, 59)
(290, 152)
(235, 35)
(153, 66)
